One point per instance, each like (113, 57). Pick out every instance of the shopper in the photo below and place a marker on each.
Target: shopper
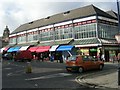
(52, 58)
(118, 57)
(42, 57)
(103, 57)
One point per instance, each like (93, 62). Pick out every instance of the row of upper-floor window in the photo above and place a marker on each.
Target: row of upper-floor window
(107, 31)
(79, 30)
(104, 31)
(58, 33)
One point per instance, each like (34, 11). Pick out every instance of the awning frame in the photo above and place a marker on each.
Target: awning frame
(65, 48)
(43, 49)
(33, 49)
(53, 48)
(24, 48)
(13, 49)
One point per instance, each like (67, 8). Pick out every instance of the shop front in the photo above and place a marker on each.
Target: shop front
(43, 53)
(110, 53)
(66, 51)
(91, 51)
(54, 55)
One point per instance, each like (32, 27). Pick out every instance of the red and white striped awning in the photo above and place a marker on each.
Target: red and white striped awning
(23, 48)
(4, 49)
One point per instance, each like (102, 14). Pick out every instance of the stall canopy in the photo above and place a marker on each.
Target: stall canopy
(24, 48)
(13, 49)
(16, 49)
(10, 49)
(53, 48)
(33, 49)
(1, 50)
(43, 49)
(4, 49)
(65, 48)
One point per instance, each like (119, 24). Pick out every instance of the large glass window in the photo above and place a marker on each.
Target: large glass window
(107, 31)
(46, 35)
(57, 34)
(85, 31)
(21, 39)
(63, 33)
(68, 32)
(12, 40)
(32, 37)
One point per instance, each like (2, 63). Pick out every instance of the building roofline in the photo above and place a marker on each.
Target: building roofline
(89, 10)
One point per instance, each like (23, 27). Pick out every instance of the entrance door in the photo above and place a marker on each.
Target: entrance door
(106, 55)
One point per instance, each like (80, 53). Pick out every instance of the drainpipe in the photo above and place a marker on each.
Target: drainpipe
(26, 36)
(16, 39)
(97, 26)
(73, 31)
(53, 33)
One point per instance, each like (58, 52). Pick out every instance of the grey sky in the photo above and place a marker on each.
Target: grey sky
(14, 13)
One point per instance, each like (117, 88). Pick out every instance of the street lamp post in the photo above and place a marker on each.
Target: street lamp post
(118, 38)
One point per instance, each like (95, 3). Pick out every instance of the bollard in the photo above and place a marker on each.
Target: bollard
(28, 68)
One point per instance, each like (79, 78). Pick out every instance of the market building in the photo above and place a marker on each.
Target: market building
(89, 29)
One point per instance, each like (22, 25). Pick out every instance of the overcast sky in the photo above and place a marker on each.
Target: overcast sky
(13, 13)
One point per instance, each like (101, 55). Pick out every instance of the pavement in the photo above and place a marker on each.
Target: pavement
(109, 81)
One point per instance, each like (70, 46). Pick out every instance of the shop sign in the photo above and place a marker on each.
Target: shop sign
(85, 51)
(112, 48)
(93, 50)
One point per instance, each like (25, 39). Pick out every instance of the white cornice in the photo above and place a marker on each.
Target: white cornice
(107, 19)
(63, 23)
(49, 26)
(84, 19)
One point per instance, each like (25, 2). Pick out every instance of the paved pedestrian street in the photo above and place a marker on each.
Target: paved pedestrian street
(44, 75)
(50, 76)
(54, 75)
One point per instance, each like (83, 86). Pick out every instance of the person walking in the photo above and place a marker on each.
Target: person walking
(118, 57)
(103, 57)
(114, 57)
(52, 58)
(42, 57)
